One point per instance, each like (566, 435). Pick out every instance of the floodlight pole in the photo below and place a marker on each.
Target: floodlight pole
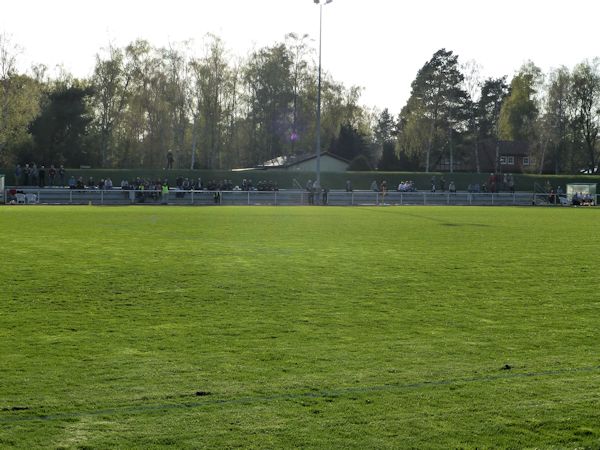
(318, 143)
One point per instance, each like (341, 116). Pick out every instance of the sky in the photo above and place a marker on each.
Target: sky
(377, 44)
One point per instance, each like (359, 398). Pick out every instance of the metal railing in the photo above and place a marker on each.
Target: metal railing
(294, 197)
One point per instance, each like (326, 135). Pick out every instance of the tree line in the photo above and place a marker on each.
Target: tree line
(215, 111)
(452, 113)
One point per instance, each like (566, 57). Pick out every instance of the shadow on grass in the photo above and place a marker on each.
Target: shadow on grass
(442, 222)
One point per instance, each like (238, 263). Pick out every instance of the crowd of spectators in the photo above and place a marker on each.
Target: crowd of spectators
(80, 183)
(581, 199)
(142, 188)
(407, 186)
(34, 175)
(499, 182)
(246, 185)
(403, 186)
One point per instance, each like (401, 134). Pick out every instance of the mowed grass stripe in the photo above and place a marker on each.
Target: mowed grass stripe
(121, 309)
(127, 410)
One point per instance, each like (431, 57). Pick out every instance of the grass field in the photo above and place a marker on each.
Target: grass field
(141, 327)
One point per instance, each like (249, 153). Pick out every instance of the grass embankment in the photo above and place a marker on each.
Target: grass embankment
(299, 327)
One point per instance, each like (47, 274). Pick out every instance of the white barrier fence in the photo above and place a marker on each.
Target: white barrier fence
(55, 196)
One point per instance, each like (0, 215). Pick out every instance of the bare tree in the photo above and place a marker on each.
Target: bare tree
(111, 84)
(472, 84)
(179, 86)
(586, 92)
(472, 81)
(298, 49)
(557, 112)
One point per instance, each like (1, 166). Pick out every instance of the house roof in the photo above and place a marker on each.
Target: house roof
(487, 151)
(288, 161)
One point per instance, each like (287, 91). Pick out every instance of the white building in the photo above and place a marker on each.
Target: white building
(308, 163)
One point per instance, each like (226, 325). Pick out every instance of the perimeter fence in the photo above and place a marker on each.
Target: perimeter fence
(57, 196)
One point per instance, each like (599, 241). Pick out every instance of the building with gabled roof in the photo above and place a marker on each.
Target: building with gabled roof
(330, 162)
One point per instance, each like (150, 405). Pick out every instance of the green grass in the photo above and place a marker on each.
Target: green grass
(305, 327)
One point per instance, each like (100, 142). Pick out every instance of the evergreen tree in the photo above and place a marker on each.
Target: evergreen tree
(350, 143)
(385, 142)
(60, 130)
(437, 106)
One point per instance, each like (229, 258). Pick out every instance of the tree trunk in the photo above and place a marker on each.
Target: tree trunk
(429, 145)
(543, 157)
(497, 163)
(194, 141)
(451, 150)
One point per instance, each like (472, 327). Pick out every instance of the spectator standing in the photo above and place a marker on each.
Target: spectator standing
(491, 185)
(165, 192)
(311, 194)
(316, 189)
(170, 160)
(34, 175)
(26, 175)
(61, 174)
(42, 176)
(18, 174)
(51, 174)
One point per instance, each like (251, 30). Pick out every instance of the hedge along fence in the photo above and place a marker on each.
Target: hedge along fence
(287, 179)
